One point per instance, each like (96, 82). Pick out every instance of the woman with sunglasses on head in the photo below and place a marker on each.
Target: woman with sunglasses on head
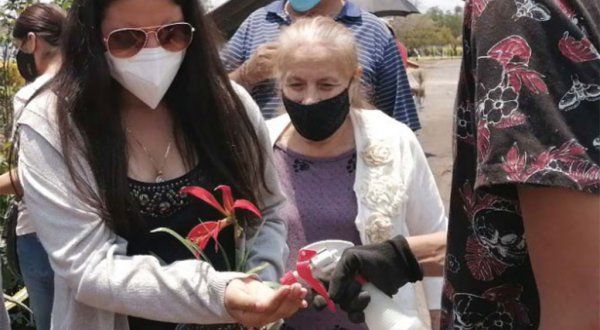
(140, 109)
(36, 36)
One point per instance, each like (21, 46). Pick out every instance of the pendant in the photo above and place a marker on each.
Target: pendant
(159, 179)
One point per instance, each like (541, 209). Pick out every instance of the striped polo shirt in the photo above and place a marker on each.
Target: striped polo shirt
(384, 77)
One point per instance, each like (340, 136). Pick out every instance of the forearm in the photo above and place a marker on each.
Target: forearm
(435, 315)
(7, 187)
(241, 77)
(187, 291)
(269, 247)
(426, 218)
(235, 75)
(92, 261)
(430, 251)
(563, 231)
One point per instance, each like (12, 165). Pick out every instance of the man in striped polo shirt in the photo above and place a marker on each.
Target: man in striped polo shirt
(250, 53)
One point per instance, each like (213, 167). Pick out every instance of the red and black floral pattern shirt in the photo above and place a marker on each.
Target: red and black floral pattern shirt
(528, 112)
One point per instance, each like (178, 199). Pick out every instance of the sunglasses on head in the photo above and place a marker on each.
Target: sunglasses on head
(123, 43)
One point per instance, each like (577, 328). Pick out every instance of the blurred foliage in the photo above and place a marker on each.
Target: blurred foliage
(10, 83)
(434, 33)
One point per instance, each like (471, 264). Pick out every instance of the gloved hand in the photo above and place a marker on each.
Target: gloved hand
(355, 304)
(388, 265)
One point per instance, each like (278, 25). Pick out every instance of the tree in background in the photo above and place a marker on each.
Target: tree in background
(432, 31)
(10, 81)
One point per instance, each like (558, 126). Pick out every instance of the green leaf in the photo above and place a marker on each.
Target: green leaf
(160, 260)
(252, 241)
(225, 257)
(189, 245)
(259, 268)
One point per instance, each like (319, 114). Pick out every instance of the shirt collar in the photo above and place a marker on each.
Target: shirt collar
(350, 10)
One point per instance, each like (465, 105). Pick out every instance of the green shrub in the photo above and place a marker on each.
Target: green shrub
(10, 83)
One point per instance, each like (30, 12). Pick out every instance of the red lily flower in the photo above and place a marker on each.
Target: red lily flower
(203, 232)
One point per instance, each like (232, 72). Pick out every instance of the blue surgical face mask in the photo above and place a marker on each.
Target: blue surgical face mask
(303, 6)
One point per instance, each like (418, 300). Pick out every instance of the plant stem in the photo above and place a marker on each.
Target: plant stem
(189, 245)
(249, 247)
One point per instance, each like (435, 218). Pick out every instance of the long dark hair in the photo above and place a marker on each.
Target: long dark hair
(46, 20)
(210, 119)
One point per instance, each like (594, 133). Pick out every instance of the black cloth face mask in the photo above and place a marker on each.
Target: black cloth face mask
(318, 121)
(26, 66)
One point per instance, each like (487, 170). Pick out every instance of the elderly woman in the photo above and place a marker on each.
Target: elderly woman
(350, 173)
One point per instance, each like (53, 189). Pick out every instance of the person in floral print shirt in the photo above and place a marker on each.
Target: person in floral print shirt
(527, 154)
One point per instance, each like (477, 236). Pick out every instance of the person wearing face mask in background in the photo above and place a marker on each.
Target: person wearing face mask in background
(250, 54)
(36, 36)
(140, 109)
(352, 173)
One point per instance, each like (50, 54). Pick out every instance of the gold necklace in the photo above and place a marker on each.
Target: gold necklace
(159, 170)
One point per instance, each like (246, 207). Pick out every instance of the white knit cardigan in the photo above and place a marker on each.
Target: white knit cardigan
(396, 194)
(96, 285)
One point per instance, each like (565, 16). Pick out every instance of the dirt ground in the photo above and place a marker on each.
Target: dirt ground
(441, 80)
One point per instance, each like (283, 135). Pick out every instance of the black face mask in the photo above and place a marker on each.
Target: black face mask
(318, 121)
(26, 66)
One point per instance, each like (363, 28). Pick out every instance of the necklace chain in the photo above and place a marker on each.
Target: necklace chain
(158, 169)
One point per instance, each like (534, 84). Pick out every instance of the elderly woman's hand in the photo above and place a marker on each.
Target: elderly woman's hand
(388, 265)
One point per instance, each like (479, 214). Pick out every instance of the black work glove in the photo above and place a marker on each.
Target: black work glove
(388, 266)
(354, 305)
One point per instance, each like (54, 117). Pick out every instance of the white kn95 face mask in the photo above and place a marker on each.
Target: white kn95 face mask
(148, 74)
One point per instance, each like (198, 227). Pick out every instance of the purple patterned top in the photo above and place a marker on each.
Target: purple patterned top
(321, 205)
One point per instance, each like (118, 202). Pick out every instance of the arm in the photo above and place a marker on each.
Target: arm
(238, 76)
(259, 67)
(244, 69)
(544, 152)
(390, 265)
(426, 221)
(270, 245)
(391, 90)
(6, 183)
(563, 243)
(92, 259)
(430, 251)
(233, 55)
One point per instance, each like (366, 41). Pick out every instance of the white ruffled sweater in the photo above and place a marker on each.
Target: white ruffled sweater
(396, 194)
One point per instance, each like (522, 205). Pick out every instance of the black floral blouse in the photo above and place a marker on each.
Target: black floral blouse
(528, 112)
(162, 205)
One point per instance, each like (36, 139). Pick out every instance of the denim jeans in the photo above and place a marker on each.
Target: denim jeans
(38, 277)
